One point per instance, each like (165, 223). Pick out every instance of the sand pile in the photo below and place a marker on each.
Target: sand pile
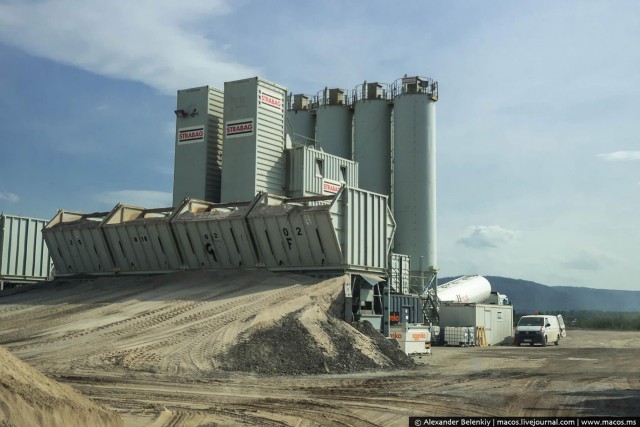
(192, 324)
(28, 398)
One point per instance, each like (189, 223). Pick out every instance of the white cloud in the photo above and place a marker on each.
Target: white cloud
(143, 198)
(621, 155)
(486, 236)
(157, 42)
(9, 197)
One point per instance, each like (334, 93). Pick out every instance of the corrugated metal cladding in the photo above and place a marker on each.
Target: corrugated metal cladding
(254, 139)
(372, 144)
(353, 232)
(198, 146)
(309, 168)
(295, 237)
(367, 231)
(141, 241)
(24, 257)
(496, 319)
(400, 276)
(408, 308)
(77, 245)
(214, 236)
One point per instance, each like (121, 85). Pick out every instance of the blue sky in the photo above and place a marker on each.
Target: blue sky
(538, 117)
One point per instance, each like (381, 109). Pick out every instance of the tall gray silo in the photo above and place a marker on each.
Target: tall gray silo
(372, 137)
(334, 123)
(198, 147)
(254, 139)
(301, 120)
(414, 175)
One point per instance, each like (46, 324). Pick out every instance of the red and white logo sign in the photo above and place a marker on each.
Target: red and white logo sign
(239, 128)
(190, 135)
(330, 187)
(270, 100)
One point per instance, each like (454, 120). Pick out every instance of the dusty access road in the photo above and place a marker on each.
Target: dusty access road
(590, 373)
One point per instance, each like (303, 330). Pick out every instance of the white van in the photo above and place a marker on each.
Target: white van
(540, 329)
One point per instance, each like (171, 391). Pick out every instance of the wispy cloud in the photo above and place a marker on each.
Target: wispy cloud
(9, 197)
(486, 236)
(620, 155)
(157, 42)
(144, 198)
(590, 260)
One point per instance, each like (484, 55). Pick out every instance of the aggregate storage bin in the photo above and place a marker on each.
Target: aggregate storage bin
(214, 235)
(141, 239)
(351, 230)
(24, 257)
(77, 245)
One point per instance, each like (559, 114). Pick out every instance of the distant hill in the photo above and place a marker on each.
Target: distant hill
(527, 296)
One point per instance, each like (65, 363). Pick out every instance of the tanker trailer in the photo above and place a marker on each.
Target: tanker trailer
(465, 289)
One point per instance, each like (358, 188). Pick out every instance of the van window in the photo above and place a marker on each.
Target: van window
(530, 321)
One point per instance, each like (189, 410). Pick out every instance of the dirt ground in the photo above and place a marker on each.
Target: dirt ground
(156, 356)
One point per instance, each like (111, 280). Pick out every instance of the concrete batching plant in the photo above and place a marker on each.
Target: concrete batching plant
(340, 182)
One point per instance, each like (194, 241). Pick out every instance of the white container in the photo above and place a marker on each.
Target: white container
(497, 320)
(23, 255)
(413, 338)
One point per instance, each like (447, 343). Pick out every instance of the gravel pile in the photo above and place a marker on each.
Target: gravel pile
(304, 344)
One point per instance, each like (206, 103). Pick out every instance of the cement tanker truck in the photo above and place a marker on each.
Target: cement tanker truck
(465, 289)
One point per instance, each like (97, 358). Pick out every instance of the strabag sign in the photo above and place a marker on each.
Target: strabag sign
(238, 128)
(190, 135)
(330, 187)
(270, 99)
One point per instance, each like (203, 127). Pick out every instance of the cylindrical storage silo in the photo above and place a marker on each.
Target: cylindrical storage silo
(301, 121)
(414, 178)
(301, 126)
(334, 124)
(372, 139)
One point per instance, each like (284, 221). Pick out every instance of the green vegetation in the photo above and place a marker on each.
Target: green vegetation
(595, 319)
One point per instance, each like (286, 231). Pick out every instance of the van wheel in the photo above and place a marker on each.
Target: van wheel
(557, 340)
(544, 343)
(530, 344)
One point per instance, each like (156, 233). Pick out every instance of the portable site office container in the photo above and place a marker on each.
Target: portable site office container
(314, 172)
(497, 320)
(215, 235)
(141, 239)
(77, 245)
(24, 257)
